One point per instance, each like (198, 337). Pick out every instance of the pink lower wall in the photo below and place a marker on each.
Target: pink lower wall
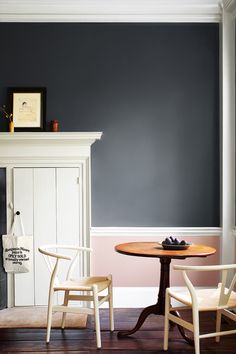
(129, 271)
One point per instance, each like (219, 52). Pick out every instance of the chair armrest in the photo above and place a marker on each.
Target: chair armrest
(205, 268)
(76, 248)
(66, 247)
(52, 254)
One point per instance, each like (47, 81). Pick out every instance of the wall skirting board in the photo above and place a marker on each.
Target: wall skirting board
(154, 231)
(135, 297)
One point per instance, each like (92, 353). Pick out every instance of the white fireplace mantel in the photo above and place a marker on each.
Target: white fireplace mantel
(53, 150)
(28, 145)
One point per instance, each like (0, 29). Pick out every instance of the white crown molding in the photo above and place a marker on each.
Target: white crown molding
(87, 18)
(154, 231)
(110, 11)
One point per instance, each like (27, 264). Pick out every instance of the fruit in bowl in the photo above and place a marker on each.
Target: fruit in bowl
(174, 243)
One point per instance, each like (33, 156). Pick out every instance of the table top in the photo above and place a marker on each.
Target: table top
(154, 249)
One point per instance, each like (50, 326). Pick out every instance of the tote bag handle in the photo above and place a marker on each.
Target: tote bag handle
(17, 217)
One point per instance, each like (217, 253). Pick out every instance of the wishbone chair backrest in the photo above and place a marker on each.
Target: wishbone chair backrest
(53, 257)
(225, 270)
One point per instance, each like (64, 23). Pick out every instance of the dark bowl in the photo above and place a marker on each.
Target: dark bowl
(175, 247)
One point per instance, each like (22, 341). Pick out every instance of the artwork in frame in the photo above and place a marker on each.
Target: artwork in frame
(28, 106)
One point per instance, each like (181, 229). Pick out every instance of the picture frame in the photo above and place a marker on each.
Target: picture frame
(28, 106)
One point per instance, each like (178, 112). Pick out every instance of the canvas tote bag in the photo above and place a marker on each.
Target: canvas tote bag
(17, 250)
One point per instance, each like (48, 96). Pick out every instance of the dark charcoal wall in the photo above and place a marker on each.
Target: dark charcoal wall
(153, 89)
(3, 276)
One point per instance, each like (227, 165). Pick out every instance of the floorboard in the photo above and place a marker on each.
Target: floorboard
(149, 339)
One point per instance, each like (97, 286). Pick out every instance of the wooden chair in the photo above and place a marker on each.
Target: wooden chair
(87, 288)
(219, 299)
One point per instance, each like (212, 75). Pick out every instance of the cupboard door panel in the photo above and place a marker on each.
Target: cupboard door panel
(68, 208)
(44, 227)
(68, 211)
(50, 202)
(23, 201)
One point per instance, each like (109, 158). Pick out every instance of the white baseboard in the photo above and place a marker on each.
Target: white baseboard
(135, 297)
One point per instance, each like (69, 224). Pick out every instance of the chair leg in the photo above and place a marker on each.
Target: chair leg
(111, 315)
(196, 330)
(218, 323)
(166, 324)
(49, 315)
(96, 315)
(63, 322)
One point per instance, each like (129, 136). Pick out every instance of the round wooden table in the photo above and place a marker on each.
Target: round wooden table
(154, 249)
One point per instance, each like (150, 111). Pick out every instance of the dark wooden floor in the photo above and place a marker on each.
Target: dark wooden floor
(149, 339)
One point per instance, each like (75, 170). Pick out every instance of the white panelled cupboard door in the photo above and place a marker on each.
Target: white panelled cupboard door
(68, 206)
(44, 227)
(49, 199)
(23, 201)
(68, 211)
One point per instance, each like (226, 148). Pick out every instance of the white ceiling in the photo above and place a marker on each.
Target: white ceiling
(114, 10)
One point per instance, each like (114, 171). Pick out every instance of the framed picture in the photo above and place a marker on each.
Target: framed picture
(28, 106)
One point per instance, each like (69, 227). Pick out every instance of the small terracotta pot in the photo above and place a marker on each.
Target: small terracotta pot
(11, 126)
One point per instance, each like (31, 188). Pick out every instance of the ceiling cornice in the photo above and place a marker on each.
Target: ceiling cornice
(110, 10)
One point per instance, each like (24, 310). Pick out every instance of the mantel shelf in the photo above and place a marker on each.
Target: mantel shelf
(83, 138)
(46, 145)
